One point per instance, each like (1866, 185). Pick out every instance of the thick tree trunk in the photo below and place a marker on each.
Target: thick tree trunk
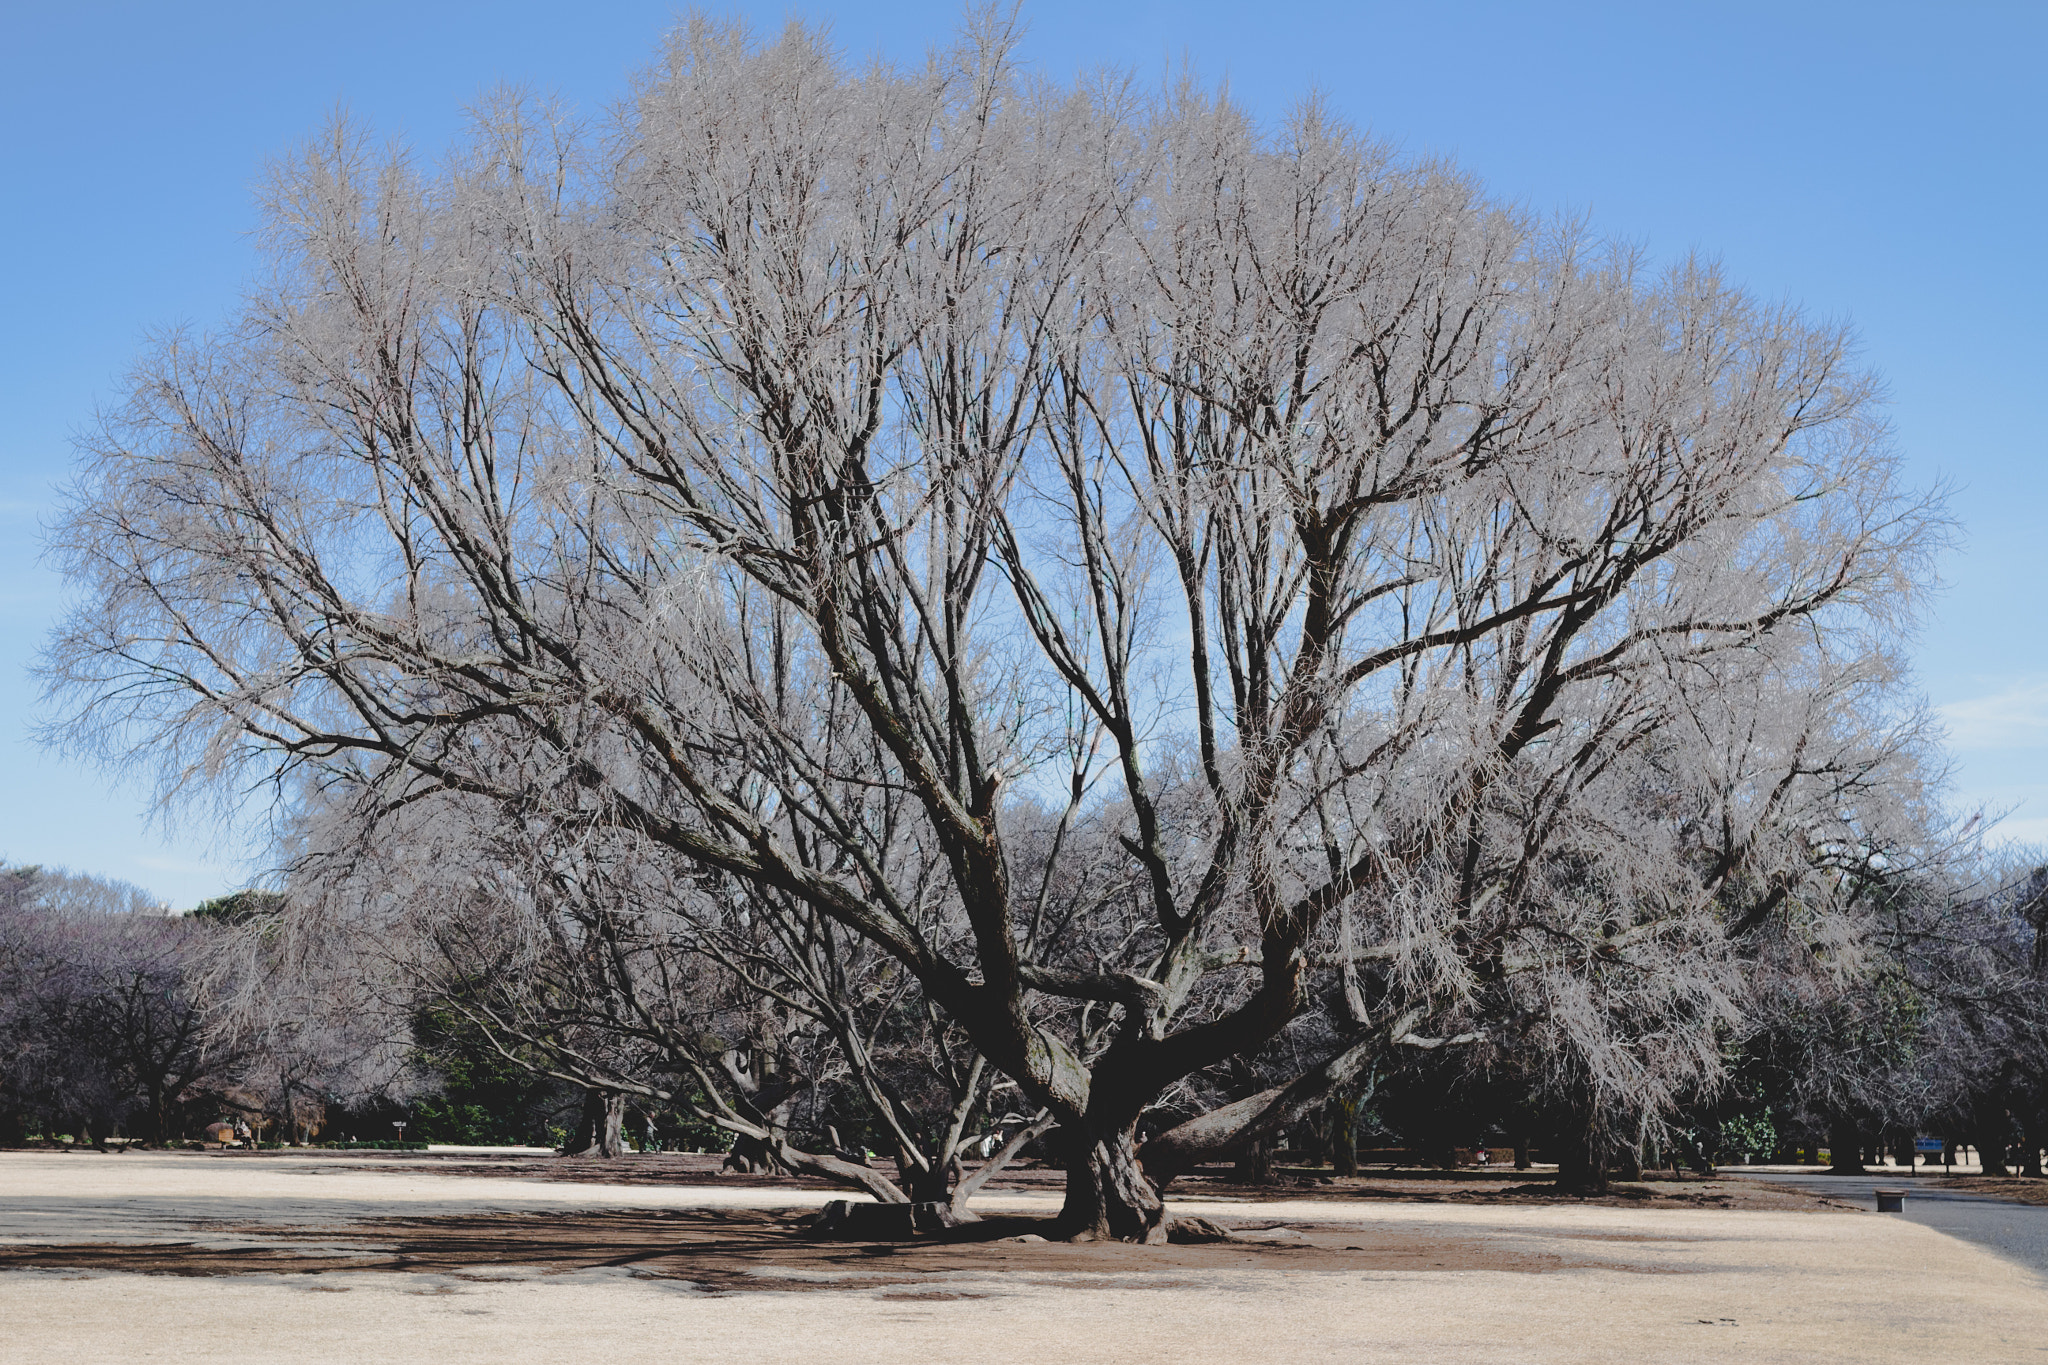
(1581, 1172)
(1581, 1164)
(933, 1184)
(1344, 1137)
(600, 1128)
(1991, 1133)
(750, 1154)
(1109, 1197)
(1845, 1148)
(156, 1111)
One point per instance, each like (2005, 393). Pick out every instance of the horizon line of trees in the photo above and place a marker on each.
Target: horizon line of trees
(126, 1020)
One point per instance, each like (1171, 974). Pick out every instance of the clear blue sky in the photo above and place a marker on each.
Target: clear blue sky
(1880, 162)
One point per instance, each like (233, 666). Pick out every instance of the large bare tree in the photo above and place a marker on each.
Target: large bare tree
(1154, 579)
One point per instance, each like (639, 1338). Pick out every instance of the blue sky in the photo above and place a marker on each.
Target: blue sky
(1877, 162)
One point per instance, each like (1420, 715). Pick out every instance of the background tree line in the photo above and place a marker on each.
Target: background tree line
(122, 1021)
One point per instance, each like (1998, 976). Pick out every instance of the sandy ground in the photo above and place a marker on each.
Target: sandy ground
(321, 1257)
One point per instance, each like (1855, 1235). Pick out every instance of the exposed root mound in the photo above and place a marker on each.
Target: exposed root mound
(1195, 1231)
(861, 1221)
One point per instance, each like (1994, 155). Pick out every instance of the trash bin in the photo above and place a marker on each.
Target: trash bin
(1891, 1201)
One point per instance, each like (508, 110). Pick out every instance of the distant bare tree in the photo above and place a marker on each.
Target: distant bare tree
(1964, 1024)
(103, 1017)
(307, 1028)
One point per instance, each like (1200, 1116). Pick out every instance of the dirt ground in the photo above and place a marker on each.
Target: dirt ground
(2019, 1189)
(400, 1257)
(1470, 1186)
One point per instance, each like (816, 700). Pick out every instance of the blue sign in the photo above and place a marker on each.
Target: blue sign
(1927, 1145)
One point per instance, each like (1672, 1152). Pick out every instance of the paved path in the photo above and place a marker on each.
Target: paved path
(2018, 1232)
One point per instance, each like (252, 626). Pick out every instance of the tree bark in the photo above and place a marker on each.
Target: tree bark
(750, 1154)
(1845, 1147)
(1991, 1132)
(1344, 1136)
(1443, 1152)
(1109, 1197)
(931, 1184)
(1581, 1163)
(600, 1128)
(1255, 1165)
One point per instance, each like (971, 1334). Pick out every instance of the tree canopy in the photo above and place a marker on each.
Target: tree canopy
(1185, 609)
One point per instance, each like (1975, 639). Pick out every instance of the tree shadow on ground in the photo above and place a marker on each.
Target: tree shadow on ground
(730, 1250)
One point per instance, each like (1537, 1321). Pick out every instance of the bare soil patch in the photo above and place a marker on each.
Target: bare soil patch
(1670, 1194)
(1419, 1187)
(729, 1250)
(2019, 1189)
(477, 1271)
